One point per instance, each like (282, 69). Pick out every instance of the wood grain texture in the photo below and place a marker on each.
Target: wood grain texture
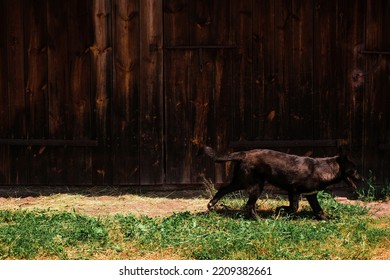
(151, 92)
(133, 77)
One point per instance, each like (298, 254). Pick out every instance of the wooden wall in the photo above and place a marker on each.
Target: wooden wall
(120, 92)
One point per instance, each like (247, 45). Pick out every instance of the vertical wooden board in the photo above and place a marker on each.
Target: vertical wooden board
(223, 86)
(35, 33)
(102, 87)
(377, 87)
(300, 82)
(125, 122)
(202, 22)
(58, 74)
(15, 69)
(36, 67)
(350, 27)
(202, 100)
(80, 100)
(177, 76)
(263, 67)
(278, 101)
(4, 102)
(203, 88)
(58, 88)
(16, 90)
(179, 131)
(326, 61)
(385, 137)
(243, 108)
(151, 92)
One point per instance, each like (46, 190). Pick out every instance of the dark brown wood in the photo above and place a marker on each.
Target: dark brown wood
(36, 90)
(300, 79)
(278, 115)
(101, 52)
(352, 37)
(375, 52)
(4, 98)
(116, 92)
(264, 114)
(49, 142)
(151, 92)
(80, 111)
(126, 92)
(16, 86)
(243, 105)
(177, 76)
(58, 89)
(377, 117)
(284, 144)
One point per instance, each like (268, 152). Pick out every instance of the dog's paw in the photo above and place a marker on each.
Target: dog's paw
(321, 217)
(283, 209)
(210, 205)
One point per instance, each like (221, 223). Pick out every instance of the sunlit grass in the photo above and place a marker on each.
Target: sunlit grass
(222, 234)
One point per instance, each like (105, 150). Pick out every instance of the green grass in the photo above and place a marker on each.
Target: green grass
(48, 234)
(225, 234)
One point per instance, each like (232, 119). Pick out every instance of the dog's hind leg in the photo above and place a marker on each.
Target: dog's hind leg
(315, 205)
(225, 189)
(237, 183)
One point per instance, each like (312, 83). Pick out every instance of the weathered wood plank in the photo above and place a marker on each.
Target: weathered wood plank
(126, 93)
(325, 76)
(300, 83)
(102, 87)
(58, 89)
(243, 108)
(35, 33)
(177, 76)
(151, 92)
(351, 33)
(377, 100)
(4, 98)
(16, 90)
(223, 80)
(278, 101)
(263, 68)
(80, 115)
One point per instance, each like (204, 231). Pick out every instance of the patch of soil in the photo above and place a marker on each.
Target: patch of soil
(378, 209)
(107, 205)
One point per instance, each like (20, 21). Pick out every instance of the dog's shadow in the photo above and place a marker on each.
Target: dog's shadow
(263, 214)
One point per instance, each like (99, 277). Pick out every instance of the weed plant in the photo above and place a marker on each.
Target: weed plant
(370, 191)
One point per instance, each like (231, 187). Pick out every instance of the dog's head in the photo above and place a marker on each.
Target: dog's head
(349, 171)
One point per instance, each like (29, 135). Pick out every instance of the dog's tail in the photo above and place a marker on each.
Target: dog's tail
(221, 158)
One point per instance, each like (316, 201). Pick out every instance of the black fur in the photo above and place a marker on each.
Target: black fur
(295, 174)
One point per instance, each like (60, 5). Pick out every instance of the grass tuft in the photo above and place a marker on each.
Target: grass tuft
(370, 191)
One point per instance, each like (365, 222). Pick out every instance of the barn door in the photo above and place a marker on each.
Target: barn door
(198, 86)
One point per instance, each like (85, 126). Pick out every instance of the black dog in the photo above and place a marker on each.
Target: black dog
(295, 174)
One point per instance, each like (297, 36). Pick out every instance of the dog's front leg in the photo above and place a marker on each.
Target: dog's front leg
(293, 198)
(254, 193)
(315, 205)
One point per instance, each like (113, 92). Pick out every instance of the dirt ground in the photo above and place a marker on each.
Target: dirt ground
(150, 204)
